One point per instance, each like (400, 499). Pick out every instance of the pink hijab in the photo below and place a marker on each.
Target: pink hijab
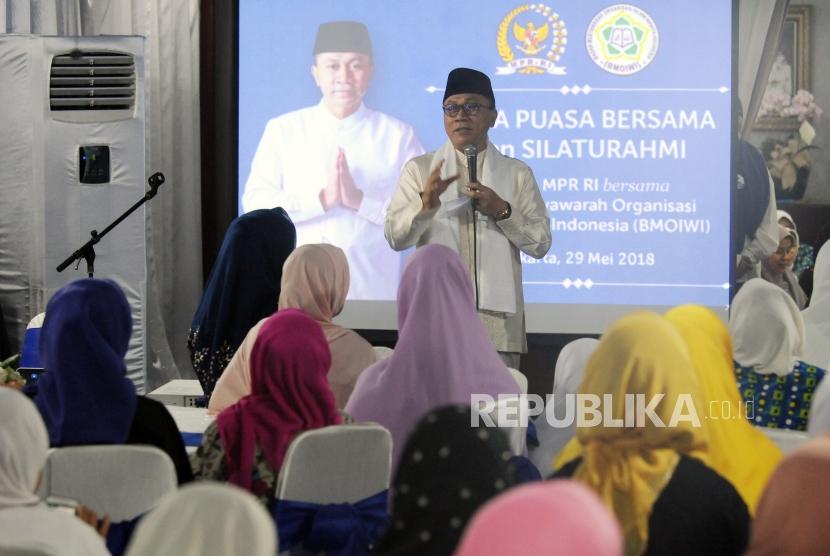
(315, 278)
(289, 395)
(443, 354)
(551, 517)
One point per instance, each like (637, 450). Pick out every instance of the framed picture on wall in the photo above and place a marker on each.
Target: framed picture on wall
(790, 72)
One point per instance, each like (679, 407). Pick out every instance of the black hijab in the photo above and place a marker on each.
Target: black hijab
(448, 469)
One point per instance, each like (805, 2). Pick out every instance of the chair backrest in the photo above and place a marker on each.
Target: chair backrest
(509, 411)
(382, 352)
(520, 379)
(123, 481)
(786, 440)
(336, 464)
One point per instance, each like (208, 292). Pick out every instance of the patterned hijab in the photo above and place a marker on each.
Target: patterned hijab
(629, 466)
(448, 469)
(793, 515)
(289, 395)
(85, 396)
(737, 450)
(443, 354)
(242, 289)
(553, 517)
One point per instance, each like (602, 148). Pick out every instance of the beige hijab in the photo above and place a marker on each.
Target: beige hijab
(315, 279)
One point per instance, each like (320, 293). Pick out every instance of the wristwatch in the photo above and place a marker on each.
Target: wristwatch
(505, 213)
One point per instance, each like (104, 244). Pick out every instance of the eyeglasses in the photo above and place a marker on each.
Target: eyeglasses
(470, 108)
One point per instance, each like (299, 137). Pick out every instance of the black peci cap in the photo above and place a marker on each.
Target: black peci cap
(343, 36)
(465, 81)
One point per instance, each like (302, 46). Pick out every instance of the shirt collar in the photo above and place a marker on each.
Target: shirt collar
(335, 124)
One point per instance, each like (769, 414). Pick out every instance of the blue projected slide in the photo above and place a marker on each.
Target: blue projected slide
(623, 112)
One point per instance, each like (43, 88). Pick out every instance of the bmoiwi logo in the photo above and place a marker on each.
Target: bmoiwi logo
(622, 39)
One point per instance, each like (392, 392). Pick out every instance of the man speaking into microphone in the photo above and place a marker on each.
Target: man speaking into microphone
(484, 205)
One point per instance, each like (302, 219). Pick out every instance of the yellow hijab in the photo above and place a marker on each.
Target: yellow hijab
(737, 450)
(628, 466)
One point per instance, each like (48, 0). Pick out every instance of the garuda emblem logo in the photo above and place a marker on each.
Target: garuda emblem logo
(531, 40)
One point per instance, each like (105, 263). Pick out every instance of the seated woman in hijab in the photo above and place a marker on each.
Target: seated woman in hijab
(554, 517)
(290, 394)
(243, 288)
(447, 470)
(26, 524)
(566, 378)
(85, 396)
(768, 334)
(793, 515)
(315, 279)
(817, 315)
(805, 254)
(737, 450)
(777, 268)
(653, 474)
(443, 354)
(206, 519)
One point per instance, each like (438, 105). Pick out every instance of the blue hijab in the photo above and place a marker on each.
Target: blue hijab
(85, 396)
(243, 288)
(751, 194)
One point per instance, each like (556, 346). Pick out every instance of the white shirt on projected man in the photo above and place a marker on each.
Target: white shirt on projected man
(290, 168)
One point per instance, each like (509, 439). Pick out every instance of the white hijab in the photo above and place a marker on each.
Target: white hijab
(767, 328)
(819, 423)
(206, 519)
(566, 378)
(26, 525)
(817, 315)
(24, 444)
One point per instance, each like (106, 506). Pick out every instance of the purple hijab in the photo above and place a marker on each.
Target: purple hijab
(85, 396)
(443, 354)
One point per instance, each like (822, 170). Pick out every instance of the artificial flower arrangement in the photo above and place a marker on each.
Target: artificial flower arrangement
(9, 376)
(789, 160)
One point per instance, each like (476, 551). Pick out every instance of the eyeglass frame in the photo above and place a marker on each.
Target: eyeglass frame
(469, 108)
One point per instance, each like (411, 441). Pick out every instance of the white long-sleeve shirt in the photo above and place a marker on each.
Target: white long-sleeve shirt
(292, 164)
(527, 229)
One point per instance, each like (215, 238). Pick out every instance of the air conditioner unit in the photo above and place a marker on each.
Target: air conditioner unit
(71, 161)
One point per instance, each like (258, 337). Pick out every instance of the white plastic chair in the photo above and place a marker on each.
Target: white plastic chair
(520, 378)
(123, 481)
(335, 465)
(382, 352)
(786, 440)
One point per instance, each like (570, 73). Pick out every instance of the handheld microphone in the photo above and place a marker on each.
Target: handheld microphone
(472, 158)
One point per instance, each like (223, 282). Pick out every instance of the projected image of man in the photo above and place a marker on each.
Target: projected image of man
(487, 220)
(333, 167)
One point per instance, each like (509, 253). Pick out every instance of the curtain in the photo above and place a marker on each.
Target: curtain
(759, 28)
(174, 261)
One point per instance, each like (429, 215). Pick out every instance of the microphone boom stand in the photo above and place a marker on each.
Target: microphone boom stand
(87, 250)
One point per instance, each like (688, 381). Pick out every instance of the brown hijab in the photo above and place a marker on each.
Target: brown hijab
(793, 514)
